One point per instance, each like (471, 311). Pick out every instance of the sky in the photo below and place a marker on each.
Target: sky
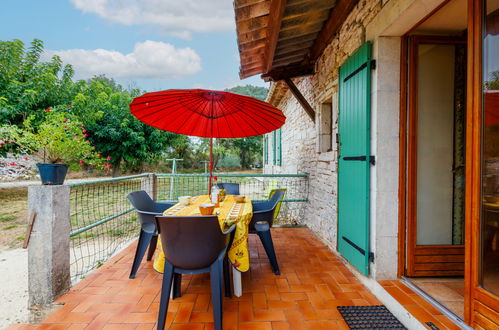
(148, 44)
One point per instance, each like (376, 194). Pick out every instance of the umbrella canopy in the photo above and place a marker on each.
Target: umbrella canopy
(207, 113)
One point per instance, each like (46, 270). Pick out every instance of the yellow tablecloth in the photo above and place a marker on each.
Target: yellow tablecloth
(230, 212)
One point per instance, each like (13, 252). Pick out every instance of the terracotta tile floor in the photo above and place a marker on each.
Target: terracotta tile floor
(422, 310)
(312, 283)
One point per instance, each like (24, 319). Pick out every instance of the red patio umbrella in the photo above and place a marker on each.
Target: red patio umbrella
(207, 113)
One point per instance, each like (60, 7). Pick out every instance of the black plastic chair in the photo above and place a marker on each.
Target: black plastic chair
(192, 245)
(261, 222)
(230, 188)
(147, 209)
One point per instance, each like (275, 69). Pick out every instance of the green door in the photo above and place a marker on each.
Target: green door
(354, 160)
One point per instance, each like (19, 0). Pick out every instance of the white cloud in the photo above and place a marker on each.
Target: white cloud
(177, 17)
(149, 59)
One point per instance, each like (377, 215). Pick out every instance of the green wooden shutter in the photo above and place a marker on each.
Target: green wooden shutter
(266, 149)
(354, 160)
(278, 147)
(274, 147)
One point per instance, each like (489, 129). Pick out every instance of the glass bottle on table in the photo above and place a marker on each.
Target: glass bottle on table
(214, 193)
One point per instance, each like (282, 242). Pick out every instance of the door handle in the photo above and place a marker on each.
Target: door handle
(362, 158)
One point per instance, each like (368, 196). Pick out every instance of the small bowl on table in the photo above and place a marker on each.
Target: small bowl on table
(184, 200)
(206, 209)
(239, 198)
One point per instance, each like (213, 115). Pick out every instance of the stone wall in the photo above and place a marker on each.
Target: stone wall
(300, 151)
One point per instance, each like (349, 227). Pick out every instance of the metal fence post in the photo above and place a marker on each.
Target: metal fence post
(150, 185)
(48, 251)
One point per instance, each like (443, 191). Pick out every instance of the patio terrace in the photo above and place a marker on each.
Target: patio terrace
(313, 282)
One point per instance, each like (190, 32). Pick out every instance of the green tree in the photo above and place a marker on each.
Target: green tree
(248, 149)
(27, 85)
(115, 132)
(493, 82)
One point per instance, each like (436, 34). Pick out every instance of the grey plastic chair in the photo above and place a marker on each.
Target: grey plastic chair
(146, 209)
(193, 245)
(261, 222)
(230, 188)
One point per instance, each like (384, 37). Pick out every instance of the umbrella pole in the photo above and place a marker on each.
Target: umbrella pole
(210, 166)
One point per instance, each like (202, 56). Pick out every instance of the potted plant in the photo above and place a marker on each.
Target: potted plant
(60, 142)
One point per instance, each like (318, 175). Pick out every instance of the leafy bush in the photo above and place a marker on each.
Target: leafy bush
(60, 138)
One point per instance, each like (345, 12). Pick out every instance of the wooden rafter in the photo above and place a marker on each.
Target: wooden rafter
(260, 34)
(300, 98)
(248, 73)
(274, 26)
(257, 23)
(283, 38)
(251, 45)
(256, 9)
(243, 3)
(288, 71)
(336, 19)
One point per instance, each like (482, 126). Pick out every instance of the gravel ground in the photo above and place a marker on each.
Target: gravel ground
(14, 287)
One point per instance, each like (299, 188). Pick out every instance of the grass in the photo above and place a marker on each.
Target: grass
(9, 217)
(13, 215)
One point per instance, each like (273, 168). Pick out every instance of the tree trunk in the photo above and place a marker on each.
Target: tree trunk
(116, 168)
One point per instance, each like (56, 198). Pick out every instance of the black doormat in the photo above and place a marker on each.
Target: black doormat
(369, 317)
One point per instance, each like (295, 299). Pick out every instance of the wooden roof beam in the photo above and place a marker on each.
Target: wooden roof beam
(274, 25)
(300, 98)
(288, 71)
(338, 15)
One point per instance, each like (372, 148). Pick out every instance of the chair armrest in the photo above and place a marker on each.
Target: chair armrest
(264, 215)
(161, 207)
(230, 230)
(260, 206)
(149, 213)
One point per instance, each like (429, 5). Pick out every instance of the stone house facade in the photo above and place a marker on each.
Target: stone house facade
(407, 37)
(301, 138)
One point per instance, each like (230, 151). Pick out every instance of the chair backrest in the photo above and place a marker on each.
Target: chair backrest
(266, 210)
(191, 242)
(278, 206)
(272, 202)
(230, 188)
(141, 201)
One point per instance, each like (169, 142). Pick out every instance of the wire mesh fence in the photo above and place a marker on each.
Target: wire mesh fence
(256, 186)
(103, 221)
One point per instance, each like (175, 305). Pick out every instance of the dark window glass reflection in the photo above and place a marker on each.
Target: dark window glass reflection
(490, 150)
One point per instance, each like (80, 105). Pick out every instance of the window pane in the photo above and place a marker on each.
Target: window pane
(490, 151)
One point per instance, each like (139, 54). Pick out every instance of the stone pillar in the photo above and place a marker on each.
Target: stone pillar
(385, 146)
(48, 251)
(150, 186)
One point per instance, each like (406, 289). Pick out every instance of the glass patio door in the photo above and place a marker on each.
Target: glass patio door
(436, 153)
(483, 149)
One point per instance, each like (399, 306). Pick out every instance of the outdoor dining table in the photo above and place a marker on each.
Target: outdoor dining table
(229, 212)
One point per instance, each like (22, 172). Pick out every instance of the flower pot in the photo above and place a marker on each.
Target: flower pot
(52, 174)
